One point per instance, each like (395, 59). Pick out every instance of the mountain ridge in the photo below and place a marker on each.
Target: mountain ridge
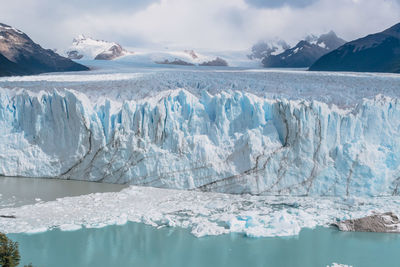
(305, 52)
(20, 55)
(378, 52)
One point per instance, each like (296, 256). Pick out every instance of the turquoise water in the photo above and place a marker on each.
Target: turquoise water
(136, 244)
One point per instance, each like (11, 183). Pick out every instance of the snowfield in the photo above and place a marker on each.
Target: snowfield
(121, 81)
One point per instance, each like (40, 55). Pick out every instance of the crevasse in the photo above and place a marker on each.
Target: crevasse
(230, 142)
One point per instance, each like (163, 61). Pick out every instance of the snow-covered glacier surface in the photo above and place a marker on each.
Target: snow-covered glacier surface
(196, 129)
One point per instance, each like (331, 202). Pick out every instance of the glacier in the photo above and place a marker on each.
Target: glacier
(227, 141)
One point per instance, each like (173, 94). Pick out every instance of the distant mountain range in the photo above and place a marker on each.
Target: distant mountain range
(19, 55)
(304, 53)
(88, 48)
(379, 52)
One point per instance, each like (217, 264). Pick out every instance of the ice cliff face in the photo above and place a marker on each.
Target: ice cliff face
(228, 142)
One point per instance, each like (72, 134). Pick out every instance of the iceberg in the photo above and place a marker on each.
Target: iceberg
(230, 142)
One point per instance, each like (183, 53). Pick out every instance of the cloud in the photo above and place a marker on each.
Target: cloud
(49, 21)
(206, 24)
(276, 4)
(109, 5)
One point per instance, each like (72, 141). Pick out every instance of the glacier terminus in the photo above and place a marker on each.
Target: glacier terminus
(195, 136)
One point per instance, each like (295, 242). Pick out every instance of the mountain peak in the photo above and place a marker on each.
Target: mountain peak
(330, 33)
(7, 28)
(266, 48)
(80, 37)
(305, 52)
(330, 40)
(377, 52)
(84, 47)
(21, 56)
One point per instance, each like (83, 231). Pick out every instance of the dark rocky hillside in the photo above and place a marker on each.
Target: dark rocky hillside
(305, 53)
(19, 55)
(378, 52)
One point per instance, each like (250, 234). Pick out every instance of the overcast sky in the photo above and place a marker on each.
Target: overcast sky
(198, 24)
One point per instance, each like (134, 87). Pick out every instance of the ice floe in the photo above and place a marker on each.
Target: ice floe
(201, 213)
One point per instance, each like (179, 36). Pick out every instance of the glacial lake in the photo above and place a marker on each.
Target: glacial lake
(135, 244)
(18, 191)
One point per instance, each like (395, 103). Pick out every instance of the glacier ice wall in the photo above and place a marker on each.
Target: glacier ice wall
(228, 142)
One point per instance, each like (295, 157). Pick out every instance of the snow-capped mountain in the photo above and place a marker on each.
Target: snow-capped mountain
(379, 52)
(88, 48)
(264, 49)
(329, 41)
(19, 55)
(305, 52)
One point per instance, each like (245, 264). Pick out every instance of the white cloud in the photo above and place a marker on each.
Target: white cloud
(206, 24)
(275, 4)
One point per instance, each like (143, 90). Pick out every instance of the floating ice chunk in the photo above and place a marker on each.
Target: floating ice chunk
(338, 265)
(69, 227)
(202, 213)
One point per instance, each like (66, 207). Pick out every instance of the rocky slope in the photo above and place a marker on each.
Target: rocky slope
(19, 55)
(217, 62)
(378, 52)
(9, 68)
(175, 62)
(381, 222)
